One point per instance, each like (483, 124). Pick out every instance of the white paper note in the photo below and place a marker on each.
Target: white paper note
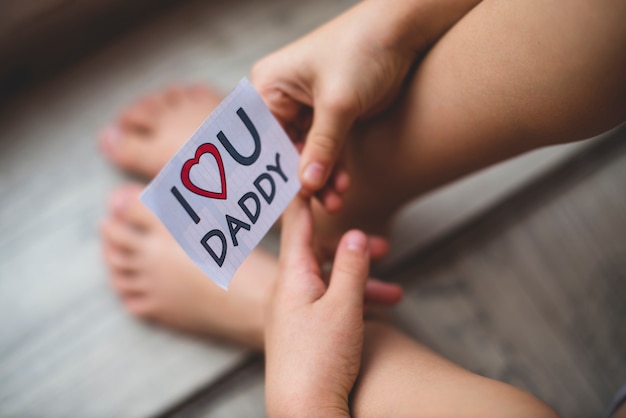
(223, 190)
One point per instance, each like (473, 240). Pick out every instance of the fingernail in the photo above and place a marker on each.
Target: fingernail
(314, 173)
(356, 241)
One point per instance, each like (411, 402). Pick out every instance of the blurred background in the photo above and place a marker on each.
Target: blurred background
(517, 272)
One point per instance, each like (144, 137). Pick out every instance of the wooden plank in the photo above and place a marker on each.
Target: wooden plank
(447, 209)
(241, 394)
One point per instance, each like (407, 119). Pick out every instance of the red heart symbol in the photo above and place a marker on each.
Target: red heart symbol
(184, 174)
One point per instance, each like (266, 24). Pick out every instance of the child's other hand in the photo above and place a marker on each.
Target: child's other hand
(314, 333)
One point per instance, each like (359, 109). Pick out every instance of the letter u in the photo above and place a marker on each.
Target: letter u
(255, 137)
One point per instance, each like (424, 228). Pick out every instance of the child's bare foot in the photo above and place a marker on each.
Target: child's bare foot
(148, 133)
(156, 280)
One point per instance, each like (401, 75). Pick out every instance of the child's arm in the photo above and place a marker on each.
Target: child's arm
(353, 66)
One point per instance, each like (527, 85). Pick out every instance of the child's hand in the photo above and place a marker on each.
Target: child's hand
(314, 334)
(352, 67)
(318, 86)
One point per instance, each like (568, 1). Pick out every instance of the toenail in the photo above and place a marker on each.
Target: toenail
(112, 136)
(120, 201)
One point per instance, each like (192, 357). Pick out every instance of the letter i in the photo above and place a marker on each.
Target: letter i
(183, 202)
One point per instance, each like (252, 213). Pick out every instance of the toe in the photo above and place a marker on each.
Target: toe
(153, 104)
(125, 204)
(143, 114)
(120, 234)
(139, 305)
(131, 149)
(138, 214)
(137, 118)
(109, 139)
(210, 96)
(198, 90)
(120, 199)
(126, 284)
(138, 154)
(119, 260)
(130, 142)
(173, 95)
(150, 131)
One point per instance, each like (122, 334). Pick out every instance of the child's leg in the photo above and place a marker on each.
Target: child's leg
(157, 281)
(509, 77)
(401, 378)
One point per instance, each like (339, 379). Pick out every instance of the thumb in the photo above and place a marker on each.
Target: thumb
(323, 144)
(350, 271)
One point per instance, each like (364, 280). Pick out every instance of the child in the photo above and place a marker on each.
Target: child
(499, 78)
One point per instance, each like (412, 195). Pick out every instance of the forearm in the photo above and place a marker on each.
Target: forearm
(289, 393)
(416, 25)
(309, 408)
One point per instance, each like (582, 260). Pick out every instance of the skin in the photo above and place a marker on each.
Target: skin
(157, 282)
(152, 275)
(400, 377)
(350, 68)
(149, 132)
(314, 332)
(467, 107)
(317, 342)
(502, 81)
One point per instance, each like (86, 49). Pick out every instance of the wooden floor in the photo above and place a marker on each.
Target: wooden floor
(524, 282)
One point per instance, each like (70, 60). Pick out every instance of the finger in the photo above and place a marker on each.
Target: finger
(384, 293)
(323, 144)
(330, 199)
(297, 232)
(341, 180)
(347, 280)
(379, 247)
(331, 195)
(300, 273)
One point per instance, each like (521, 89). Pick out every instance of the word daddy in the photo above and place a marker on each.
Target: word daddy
(225, 188)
